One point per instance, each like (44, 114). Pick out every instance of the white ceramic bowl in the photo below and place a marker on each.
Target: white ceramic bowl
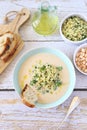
(66, 39)
(74, 57)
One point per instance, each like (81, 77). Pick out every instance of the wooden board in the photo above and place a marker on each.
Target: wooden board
(13, 27)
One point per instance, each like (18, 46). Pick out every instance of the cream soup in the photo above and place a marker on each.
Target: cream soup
(25, 76)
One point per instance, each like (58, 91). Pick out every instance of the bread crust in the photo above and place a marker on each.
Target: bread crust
(27, 103)
(23, 98)
(11, 50)
(20, 45)
(5, 46)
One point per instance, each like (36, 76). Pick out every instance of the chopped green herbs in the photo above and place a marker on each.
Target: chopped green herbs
(75, 28)
(60, 68)
(46, 78)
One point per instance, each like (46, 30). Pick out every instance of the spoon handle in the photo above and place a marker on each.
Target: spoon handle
(75, 102)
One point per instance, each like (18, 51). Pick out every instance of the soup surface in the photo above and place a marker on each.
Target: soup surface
(26, 75)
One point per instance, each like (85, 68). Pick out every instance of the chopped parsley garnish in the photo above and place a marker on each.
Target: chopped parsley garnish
(46, 78)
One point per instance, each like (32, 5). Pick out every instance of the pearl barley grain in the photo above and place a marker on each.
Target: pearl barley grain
(81, 59)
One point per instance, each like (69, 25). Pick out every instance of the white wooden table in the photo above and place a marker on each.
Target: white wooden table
(16, 116)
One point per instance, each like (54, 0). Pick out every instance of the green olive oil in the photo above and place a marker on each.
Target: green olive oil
(45, 21)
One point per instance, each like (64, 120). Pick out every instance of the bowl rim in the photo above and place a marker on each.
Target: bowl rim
(56, 52)
(74, 56)
(81, 15)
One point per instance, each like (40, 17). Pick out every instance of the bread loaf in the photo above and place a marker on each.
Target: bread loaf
(11, 48)
(13, 45)
(4, 44)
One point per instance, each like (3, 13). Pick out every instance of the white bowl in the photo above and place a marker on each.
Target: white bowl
(74, 57)
(66, 39)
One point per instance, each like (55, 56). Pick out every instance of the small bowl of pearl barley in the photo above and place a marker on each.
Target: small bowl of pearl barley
(80, 58)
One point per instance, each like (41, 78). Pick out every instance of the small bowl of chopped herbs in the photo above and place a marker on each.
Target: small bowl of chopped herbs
(73, 29)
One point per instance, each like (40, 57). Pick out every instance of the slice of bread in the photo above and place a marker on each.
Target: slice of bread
(2, 41)
(11, 48)
(4, 37)
(2, 49)
(4, 44)
(29, 96)
(20, 45)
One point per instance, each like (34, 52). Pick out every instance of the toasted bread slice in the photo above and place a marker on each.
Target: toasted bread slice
(2, 49)
(4, 37)
(2, 41)
(9, 35)
(4, 44)
(29, 96)
(3, 64)
(11, 49)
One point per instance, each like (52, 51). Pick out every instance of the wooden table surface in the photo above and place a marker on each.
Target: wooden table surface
(16, 116)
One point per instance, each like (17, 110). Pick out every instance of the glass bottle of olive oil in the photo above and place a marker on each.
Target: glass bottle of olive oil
(45, 20)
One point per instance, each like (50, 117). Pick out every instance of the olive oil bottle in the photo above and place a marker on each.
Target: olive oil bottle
(45, 20)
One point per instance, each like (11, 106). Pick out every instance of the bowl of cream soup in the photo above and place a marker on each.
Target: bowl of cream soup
(47, 71)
